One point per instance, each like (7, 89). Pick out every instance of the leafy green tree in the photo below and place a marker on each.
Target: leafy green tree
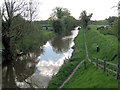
(70, 23)
(61, 20)
(115, 27)
(84, 18)
(111, 19)
(59, 26)
(59, 13)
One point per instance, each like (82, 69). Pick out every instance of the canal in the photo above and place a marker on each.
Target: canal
(36, 68)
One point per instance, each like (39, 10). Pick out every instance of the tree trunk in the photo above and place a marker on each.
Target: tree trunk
(7, 52)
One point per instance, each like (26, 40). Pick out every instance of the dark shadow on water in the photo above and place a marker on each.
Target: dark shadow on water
(19, 69)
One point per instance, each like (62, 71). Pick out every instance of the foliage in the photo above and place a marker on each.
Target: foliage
(111, 19)
(11, 34)
(19, 34)
(59, 26)
(114, 29)
(70, 23)
(119, 29)
(84, 18)
(59, 13)
(99, 22)
(61, 20)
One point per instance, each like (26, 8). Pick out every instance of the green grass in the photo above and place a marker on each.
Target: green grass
(91, 77)
(105, 32)
(94, 27)
(108, 45)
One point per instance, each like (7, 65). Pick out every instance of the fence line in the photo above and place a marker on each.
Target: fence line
(106, 61)
(104, 66)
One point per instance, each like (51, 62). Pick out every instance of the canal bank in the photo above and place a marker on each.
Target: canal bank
(92, 77)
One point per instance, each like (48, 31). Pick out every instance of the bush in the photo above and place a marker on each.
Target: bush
(114, 29)
(59, 26)
(69, 23)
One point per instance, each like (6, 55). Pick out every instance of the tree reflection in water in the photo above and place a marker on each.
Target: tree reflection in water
(20, 69)
(60, 45)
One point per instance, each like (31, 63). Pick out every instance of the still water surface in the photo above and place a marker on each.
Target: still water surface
(36, 68)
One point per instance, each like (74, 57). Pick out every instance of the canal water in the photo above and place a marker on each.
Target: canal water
(36, 68)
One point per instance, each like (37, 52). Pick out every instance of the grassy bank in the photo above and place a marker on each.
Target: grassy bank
(108, 45)
(91, 77)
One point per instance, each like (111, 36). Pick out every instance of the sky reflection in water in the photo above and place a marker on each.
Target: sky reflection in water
(54, 53)
(50, 60)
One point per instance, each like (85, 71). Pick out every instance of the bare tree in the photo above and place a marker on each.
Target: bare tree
(32, 10)
(10, 9)
(11, 33)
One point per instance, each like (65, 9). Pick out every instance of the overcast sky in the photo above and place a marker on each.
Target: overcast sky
(101, 9)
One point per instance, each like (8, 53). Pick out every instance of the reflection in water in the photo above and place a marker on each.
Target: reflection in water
(49, 68)
(61, 45)
(37, 68)
(19, 70)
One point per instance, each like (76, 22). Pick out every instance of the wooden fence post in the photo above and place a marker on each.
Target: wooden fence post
(96, 61)
(84, 65)
(117, 72)
(104, 65)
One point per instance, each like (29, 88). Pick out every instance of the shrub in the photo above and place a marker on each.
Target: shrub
(59, 26)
